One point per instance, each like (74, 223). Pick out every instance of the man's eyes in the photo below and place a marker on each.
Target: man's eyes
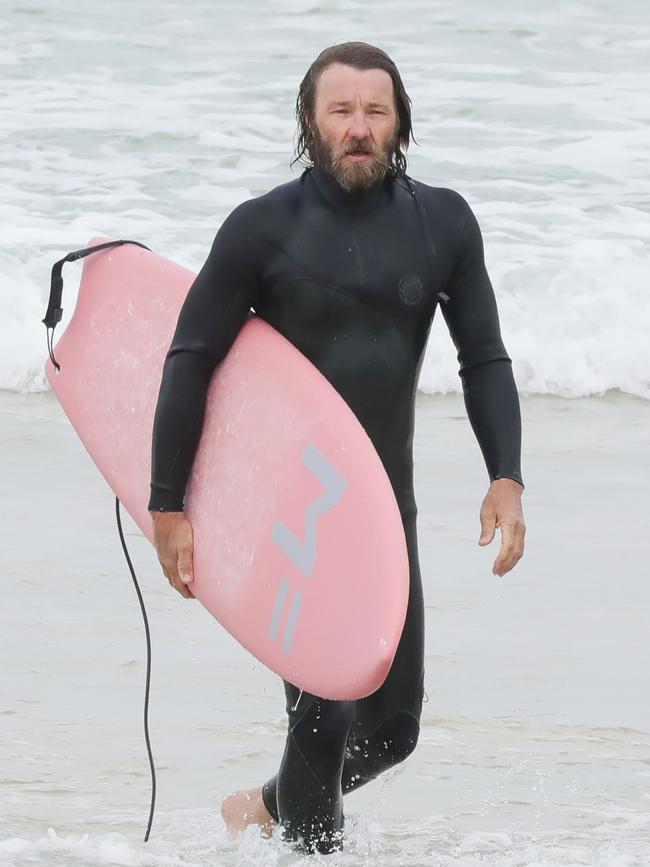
(345, 111)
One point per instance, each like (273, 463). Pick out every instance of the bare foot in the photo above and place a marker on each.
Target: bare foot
(245, 808)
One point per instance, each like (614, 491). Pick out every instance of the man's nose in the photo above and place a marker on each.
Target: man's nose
(358, 126)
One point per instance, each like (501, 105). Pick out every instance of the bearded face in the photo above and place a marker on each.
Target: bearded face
(353, 133)
(357, 165)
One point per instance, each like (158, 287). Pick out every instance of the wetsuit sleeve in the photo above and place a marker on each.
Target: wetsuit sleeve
(489, 388)
(214, 311)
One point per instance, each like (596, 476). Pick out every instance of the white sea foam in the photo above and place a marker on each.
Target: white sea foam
(615, 840)
(155, 129)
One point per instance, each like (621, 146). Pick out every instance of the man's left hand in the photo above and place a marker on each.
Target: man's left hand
(502, 508)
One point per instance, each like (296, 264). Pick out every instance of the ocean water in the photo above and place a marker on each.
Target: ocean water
(153, 120)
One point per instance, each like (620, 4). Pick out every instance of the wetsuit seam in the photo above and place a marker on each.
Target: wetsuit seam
(312, 278)
(369, 302)
(306, 761)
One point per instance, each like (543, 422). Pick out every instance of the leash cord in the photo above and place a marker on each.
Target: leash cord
(148, 679)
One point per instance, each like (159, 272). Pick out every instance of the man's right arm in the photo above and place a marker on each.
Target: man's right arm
(214, 311)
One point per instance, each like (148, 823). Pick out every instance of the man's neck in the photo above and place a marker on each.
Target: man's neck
(351, 201)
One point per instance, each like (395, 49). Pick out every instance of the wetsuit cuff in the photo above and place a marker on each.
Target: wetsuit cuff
(269, 797)
(164, 501)
(516, 477)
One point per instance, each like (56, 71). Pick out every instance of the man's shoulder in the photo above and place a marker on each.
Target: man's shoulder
(441, 196)
(252, 222)
(447, 209)
(286, 192)
(283, 196)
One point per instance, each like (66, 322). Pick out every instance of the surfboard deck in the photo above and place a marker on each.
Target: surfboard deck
(299, 548)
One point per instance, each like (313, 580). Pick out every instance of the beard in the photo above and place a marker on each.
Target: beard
(353, 176)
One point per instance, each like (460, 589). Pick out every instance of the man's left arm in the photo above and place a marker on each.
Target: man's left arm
(489, 389)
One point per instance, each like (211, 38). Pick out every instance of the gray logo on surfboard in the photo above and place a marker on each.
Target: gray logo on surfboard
(302, 552)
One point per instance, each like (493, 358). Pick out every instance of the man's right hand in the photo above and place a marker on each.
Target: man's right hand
(173, 540)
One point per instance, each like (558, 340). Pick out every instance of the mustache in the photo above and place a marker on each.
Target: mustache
(361, 149)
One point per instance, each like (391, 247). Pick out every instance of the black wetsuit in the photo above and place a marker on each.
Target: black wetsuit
(352, 280)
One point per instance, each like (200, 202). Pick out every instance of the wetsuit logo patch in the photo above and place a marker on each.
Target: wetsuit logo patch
(411, 289)
(303, 553)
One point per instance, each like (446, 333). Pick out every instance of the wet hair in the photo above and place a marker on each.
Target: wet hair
(359, 55)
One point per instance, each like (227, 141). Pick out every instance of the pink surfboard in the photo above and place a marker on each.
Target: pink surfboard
(299, 549)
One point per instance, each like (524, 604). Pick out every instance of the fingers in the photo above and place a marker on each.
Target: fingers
(173, 539)
(177, 584)
(502, 508)
(170, 572)
(488, 525)
(185, 564)
(512, 546)
(184, 572)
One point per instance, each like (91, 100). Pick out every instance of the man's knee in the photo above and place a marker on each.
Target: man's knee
(388, 745)
(399, 736)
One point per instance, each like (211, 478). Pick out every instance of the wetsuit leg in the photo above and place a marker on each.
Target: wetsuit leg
(306, 795)
(334, 747)
(387, 723)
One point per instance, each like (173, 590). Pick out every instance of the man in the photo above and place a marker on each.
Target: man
(348, 262)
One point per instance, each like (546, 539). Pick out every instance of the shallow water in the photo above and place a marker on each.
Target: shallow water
(535, 744)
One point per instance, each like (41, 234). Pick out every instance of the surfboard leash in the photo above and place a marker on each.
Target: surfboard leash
(148, 678)
(54, 310)
(51, 319)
